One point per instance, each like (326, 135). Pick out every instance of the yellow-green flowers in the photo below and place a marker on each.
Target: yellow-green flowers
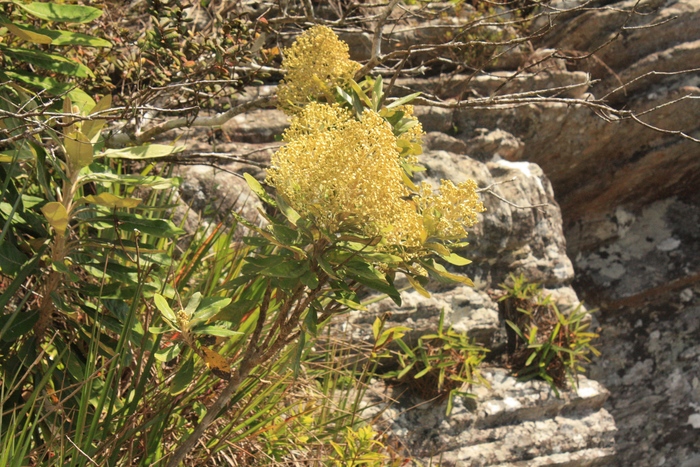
(346, 175)
(315, 64)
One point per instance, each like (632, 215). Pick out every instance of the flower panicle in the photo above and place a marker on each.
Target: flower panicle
(314, 65)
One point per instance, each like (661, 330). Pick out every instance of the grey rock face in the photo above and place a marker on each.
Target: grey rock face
(510, 424)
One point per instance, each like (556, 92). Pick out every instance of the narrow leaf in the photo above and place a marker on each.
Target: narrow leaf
(60, 13)
(111, 201)
(164, 308)
(26, 34)
(149, 151)
(183, 378)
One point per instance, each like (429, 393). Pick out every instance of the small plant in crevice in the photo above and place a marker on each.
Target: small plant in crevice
(543, 342)
(441, 365)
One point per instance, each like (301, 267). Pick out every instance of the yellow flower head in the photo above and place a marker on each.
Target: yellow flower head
(315, 64)
(346, 174)
(446, 215)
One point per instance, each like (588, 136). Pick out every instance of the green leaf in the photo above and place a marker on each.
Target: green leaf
(19, 324)
(309, 279)
(209, 307)
(60, 266)
(441, 273)
(326, 267)
(57, 216)
(360, 93)
(192, 304)
(288, 212)
(156, 227)
(455, 259)
(148, 151)
(23, 153)
(47, 61)
(183, 378)
(353, 305)
(54, 37)
(153, 182)
(407, 350)
(403, 100)
(92, 128)
(377, 93)
(417, 286)
(78, 150)
(285, 234)
(258, 189)
(11, 259)
(53, 87)
(296, 358)
(215, 331)
(60, 13)
(376, 328)
(405, 371)
(311, 320)
(164, 308)
(367, 276)
(28, 34)
(111, 201)
(168, 353)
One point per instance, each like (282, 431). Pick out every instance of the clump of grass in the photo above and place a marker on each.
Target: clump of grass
(542, 341)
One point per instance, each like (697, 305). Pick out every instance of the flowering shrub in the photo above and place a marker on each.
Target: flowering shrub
(315, 64)
(347, 214)
(345, 174)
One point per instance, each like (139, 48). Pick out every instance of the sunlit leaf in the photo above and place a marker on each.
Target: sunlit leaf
(56, 37)
(60, 13)
(52, 86)
(216, 363)
(111, 201)
(57, 216)
(455, 259)
(24, 153)
(28, 34)
(376, 327)
(164, 308)
(78, 150)
(208, 307)
(417, 286)
(148, 151)
(258, 189)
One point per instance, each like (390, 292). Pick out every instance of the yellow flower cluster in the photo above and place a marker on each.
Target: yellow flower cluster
(315, 64)
(447, 215)
(346, 174)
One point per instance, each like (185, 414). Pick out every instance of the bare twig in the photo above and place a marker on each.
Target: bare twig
(123, 139)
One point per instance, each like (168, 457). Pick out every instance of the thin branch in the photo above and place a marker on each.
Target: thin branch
(123, 139)
(375, 58)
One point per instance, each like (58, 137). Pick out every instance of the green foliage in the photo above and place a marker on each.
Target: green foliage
(544, 342)
(25, 49)
(441, 365)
